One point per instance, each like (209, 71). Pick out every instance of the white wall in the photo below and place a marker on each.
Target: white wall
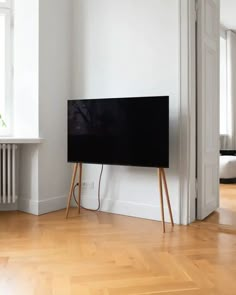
(45, 174)
(54, 90)
(25, 100)
(120, 48)
(129, 48)
(28, 179)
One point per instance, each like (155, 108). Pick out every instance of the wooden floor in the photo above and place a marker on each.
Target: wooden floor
(99, 253)
(226, 214)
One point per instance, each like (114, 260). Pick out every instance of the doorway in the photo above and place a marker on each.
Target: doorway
(226, 214)
(204, 109)
(207, 101)
(215, 135)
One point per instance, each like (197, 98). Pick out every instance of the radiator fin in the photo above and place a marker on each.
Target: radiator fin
(7, 173)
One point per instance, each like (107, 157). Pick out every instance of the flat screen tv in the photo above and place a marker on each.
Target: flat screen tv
(130, 131)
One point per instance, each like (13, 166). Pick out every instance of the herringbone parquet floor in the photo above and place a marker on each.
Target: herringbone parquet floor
(105, 254)
(226, 214)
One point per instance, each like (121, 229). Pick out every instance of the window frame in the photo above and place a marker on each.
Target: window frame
(6, 4)
(6, 9)
(224, 128)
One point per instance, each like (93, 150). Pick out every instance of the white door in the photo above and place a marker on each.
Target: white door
(208, 39)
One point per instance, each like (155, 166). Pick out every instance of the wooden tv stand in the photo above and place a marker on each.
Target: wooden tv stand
(161, 180)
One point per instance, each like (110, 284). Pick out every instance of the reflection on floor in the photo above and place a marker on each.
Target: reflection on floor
(227, 212)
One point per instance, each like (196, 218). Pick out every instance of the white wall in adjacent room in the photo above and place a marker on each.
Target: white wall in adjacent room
(129, 48)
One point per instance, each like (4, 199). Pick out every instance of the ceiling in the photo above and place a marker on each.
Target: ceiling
(228, 14)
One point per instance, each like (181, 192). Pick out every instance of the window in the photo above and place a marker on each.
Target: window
(224, 115)
(5, 66)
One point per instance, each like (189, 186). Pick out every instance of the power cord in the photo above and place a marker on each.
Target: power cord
(99, 193)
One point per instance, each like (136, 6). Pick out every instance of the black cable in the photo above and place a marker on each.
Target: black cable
(99, 193)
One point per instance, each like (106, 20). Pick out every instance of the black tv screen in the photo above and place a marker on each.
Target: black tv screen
(130, 131)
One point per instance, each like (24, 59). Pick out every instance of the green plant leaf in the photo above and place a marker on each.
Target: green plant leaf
(2, 122)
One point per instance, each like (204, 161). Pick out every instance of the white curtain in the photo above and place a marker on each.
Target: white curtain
(228, 99)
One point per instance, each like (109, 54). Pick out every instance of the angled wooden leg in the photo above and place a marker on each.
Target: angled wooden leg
(71, 188)
(167, 195)
(80, 186)
(161, 200)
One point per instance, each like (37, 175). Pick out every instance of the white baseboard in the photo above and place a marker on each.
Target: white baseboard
(107, 205)
(9, 207)
(133, 209)
(28, 206)
(43, 206)
(53, 204)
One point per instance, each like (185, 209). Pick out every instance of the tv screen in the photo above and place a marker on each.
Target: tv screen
(119, 131)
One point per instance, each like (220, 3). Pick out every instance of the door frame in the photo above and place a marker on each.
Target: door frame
(188, 109)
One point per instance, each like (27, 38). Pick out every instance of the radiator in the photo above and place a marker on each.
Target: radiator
(8, 173)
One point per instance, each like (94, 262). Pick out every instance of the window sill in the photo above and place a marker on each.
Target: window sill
(20, 140)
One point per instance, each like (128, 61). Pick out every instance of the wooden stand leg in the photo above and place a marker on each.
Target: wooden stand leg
(167, 195)
(71, 189)
(161, 199)
(80, 186)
